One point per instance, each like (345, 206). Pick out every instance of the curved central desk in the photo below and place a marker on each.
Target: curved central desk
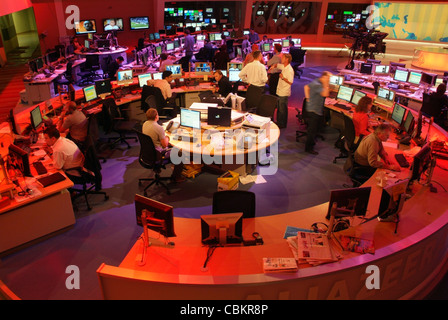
(410, 262)
(106, 56)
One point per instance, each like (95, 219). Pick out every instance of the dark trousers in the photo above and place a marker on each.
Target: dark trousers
(314, 123)
(273, 82)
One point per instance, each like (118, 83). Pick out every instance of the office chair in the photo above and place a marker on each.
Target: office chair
(298, 58)
(229, 201)
(337, 121)
(150, 158)
(205, 94)
(348, 139)
(152, 97)
(94, 133)
(301, 117)
(235, 86)
(267, 106)
(89, 177)
(354, 171)
(89, 73)
(114, 122)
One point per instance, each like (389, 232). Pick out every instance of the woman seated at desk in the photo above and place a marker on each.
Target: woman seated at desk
(361, 116)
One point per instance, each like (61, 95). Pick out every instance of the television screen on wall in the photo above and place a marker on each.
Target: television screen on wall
(85, 26)
(138, 23)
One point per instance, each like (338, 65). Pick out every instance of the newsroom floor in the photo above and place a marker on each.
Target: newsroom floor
(106, 233)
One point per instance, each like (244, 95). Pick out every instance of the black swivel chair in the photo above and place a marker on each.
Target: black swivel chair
(150, 158)
(89, 177)
(114, 122)
(152, 97)
(297, 59)
(356, 174)
(267, 106)
(230, 201)
(348, 139)
(89, 72)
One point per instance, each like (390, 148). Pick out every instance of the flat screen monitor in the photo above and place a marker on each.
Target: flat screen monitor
(103, 43)
(156, 35)
(169, 46)
(401, 74)
(89, 93)
(200, 37)
(297, 42)
(391, 198)
(124, 77)
(381, 70)
(103, 87)
(222, 228)
(157, 76)
(176, 43)
(39, 63)
(398, 113)
(53, 56)
(190, 118)
(233, 70)
(266, 47)
(203, 68)
(143, 79)
(414, 77)
(138, 23)
(159, 216)
(285, 43)
(85, 26)
(36, 118)
(218, 37)
(219, 116)
(428, 78)
(158, 50)
(336, 80)
(394, 65)
(386, 94)
(345, 93)
(373, 61)
(113, 24)
(366, 68)
(408, 124)
(176, 69)
(350, 202)
(421, 163)
(356, 96)
(19, 159)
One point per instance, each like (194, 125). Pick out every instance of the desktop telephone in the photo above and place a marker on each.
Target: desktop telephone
(172, 126)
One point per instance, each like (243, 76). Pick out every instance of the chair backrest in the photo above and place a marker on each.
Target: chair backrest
(229, 201)
(297, 55)
(110, 113)
(267, 106)
(148, 153)
(92, 162)
(152, 91)
(349, 132)
(337, 120)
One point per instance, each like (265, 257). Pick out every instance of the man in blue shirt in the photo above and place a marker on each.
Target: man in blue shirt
(315, 94)
(189, 44)
(253, 36)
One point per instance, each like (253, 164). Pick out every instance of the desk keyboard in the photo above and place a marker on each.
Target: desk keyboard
(401, 160)
(40, 168)
(342, 106)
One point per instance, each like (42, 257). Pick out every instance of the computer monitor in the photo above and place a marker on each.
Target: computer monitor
(203, 68)
(219, 116)
(394, 65)
(297, 42)
(190, 118)
(157, 76)
(53, 56)
(266, 47)
(386, 94)
(336, 80)
(156, 35)
(90, 93)
(366, 68)
(143, 79)
(113, 24)
(373, 61)
(176, 69)
(401, 74)
(285, 43)
(381, 70)
(176, 43)
(103, 87)
(103, 43)
(200, 37)
(233, 70)
(158, 50)
(422, 162)
(159, 216)
(345, 93)
(222, 228)
(85, 26)
(138, 23)
(357, 95)
(36, 118)
(392, 198)
(414, 77)
(350, 202)
(169, 46)
(408, 123)
(428, 78)
(124, 77)
(398, 113)
(19, 159)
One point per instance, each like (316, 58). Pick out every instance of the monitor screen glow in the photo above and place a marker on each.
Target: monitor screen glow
(124, 77)
(357, 95)
(401, 75)
(143, 79)
(90, 93)
(190, 118)
(398, 113)
(345, 93)
(85, 26)
(138, 23)
(414, 77)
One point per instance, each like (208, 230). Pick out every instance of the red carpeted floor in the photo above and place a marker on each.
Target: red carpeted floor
(11, 83)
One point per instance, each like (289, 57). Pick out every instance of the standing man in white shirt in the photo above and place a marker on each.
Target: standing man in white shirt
(285, 81)
(254, 73)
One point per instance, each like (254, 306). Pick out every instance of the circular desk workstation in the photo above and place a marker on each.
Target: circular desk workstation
(403, 256)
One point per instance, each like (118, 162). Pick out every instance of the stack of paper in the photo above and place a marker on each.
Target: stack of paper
(279, 265)
(311, 247)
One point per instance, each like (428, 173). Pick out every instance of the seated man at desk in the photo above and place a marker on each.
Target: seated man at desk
(64, 152)
(114, 67)
(161, 142)
(74, 121)
(224, 86)
(164, 84)
(370, 154)
(165, 60)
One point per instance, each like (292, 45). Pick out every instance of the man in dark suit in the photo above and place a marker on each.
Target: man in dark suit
(224, 85)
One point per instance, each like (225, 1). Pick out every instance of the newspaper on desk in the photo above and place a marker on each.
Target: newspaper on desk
(311, 247)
